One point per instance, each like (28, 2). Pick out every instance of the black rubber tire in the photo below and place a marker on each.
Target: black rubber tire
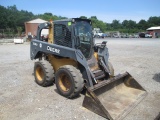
(43, 73)
(111, 69)
(71, 76)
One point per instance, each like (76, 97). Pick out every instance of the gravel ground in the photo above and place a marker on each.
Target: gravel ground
(22, 99)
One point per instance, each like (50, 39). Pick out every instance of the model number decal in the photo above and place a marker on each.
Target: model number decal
(35, 44)
(53, 49)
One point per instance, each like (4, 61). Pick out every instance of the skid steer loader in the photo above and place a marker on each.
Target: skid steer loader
(70, 59)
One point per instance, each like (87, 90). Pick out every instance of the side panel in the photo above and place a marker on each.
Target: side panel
(58, 62)
(38, 47)
(44, 47)
(103, 52)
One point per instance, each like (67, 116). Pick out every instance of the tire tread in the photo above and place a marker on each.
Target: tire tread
(78, 80)
(49, 72)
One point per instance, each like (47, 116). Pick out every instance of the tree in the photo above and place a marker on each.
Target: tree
(98, 23)
(94, 17)
(125, 24)
(12, 16)
(19, 29)
(94, 21)
(116, 24)
(131, 24)
(12, 20)
(3, 17)
(142, 25)
(101, 25)
(109, 27)
(154, 21)
(83, 17)
(46, 16)
(49, 14)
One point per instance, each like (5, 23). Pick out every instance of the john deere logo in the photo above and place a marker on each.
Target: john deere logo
(53, 49)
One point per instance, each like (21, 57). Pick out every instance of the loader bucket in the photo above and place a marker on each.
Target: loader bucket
(114, 98)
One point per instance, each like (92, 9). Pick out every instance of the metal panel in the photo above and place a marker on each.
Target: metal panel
(114, 98)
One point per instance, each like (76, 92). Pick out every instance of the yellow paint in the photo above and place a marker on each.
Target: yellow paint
(64, 82)
(58, 62)
(96, 67)
(51, 33)
(39, 73)
(96, 55)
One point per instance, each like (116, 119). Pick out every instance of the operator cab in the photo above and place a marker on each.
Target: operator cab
(74, 33)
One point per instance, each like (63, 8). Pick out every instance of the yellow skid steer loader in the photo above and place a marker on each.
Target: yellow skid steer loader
(69, 58)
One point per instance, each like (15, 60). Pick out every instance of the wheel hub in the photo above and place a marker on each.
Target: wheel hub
(39, 73)
(64, 82)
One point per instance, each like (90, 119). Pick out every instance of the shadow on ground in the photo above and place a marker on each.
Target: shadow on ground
(156, 77)
(158, 117)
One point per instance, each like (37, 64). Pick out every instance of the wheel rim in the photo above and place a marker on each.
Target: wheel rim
(64, 82)
(39, 73)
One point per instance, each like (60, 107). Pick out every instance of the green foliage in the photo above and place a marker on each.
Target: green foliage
(49, 16)
(154, 21)
(12, 20)
(3, 17)
(98, 23)
(142, 25)
(19, 29)
(130, 26)
(116, 24)
(83, 17)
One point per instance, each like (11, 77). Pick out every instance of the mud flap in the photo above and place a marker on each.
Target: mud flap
(114, 98)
